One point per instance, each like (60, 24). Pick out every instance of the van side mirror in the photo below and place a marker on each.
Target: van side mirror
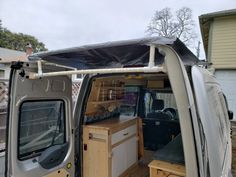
(231, 114)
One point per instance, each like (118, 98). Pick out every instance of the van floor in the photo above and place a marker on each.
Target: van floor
(142, 169)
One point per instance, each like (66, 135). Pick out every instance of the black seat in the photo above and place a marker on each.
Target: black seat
(158, 105)
(158, 127)
(157, 113)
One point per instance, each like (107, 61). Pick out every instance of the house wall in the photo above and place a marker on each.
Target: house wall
(7, 71)
(222, 43)
(227, 80)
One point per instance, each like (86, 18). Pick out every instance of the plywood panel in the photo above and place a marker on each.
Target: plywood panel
(163, 169)
(95, 152)
(140, 139)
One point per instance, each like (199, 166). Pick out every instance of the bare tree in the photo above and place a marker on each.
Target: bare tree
(181, 25)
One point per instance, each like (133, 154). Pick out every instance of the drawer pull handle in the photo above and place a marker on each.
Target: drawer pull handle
(125, 134)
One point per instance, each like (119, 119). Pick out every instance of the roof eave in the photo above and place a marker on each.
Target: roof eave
(219, 14)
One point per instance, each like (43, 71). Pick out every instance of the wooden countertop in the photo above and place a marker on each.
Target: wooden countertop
(114, 124)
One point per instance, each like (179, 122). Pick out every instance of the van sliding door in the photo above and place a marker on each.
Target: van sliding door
(40, 140)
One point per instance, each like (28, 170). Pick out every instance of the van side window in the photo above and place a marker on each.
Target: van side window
(41, 125)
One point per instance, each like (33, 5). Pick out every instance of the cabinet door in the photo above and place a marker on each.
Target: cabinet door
(131, 151)
(118, 160)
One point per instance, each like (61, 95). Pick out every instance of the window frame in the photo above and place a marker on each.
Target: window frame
(39, 151)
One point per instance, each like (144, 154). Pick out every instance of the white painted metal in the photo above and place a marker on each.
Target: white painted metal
(45, 88)
(214, 120)
(184, 100)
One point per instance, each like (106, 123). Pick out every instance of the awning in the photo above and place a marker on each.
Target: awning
(115, 54)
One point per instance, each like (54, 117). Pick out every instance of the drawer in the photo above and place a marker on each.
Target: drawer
(122, 134)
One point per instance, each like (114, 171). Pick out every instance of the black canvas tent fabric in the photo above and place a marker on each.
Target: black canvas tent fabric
(172, 152)
(116, 54)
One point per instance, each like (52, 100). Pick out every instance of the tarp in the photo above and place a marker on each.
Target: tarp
(116, 54)
(172, 152)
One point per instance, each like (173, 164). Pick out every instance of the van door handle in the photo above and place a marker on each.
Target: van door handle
(125, 134)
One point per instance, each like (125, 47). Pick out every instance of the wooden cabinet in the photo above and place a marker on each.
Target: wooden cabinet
(110, 147)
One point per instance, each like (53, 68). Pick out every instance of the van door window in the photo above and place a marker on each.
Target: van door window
(41, 125)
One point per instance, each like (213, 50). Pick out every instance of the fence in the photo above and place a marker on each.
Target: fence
(3, 106)
(3, 94)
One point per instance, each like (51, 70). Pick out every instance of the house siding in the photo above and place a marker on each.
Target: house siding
(223, 44)
(227, 80)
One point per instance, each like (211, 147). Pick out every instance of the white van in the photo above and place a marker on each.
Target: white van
(145, 108)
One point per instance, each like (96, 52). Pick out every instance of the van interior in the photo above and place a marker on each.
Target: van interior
(131, 128)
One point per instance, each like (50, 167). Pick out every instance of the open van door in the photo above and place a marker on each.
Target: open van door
(213, 115)
(40, 132)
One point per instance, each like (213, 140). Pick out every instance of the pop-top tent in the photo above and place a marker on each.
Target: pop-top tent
(116, 54)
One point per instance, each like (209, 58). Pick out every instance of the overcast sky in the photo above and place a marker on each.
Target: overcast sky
(68, 23)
